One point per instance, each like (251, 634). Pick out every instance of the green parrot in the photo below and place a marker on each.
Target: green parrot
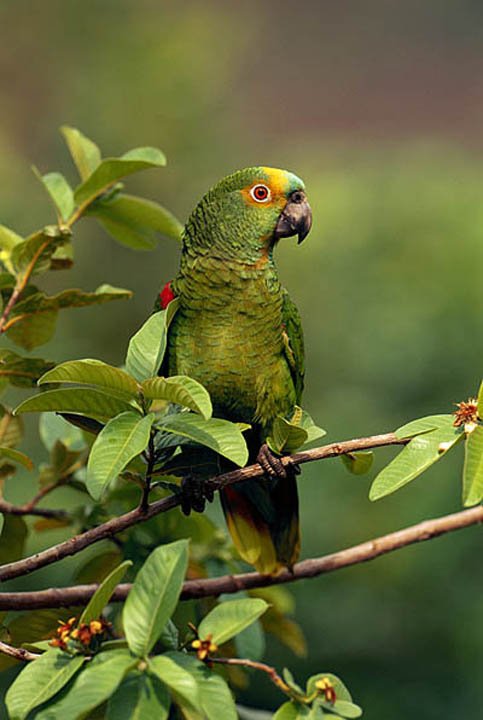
(237, 332)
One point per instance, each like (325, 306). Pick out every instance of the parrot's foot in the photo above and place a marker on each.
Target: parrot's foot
(273, 466)
(194, 494)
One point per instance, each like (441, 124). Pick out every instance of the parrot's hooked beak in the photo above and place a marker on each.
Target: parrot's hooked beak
(295, 218)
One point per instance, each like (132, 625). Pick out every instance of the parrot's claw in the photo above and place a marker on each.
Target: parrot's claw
(272, 464)
(194, 494)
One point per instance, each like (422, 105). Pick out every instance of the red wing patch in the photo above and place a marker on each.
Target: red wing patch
(165, 296)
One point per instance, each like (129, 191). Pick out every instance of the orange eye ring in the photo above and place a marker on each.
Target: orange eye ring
(260, 193)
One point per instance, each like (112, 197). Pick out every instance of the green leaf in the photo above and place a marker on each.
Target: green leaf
(12, 539)
(140, 696)
(8, 240)
(424, 425)
(53, 427)
(92, 686)
(63, 257)
(287, 711)
(146, 348)
(358, 463)
(286, 436)
(251, 642)
(103, 593)
(85, 153)
(473, 468)
(181, 390)
(216, 700)
(480, 401)
(314, 432)
(418, 455)
(289, 679)
(11, 429)
(124, 437)
(60, 192)
(17, 456)
(221, 436)
(41, 303)
(40, 680)
(229, 618)
(176, 677)
(113, 169)
(39, 247)
(33, 330)
(347, 709)
(22, 371)
(83, 401)
(154, 595)
(135, 222)
(92, 372)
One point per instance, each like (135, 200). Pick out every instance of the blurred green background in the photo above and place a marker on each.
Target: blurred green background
(378, 106)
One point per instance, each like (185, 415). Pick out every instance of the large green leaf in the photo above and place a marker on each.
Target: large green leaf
(135, 222)
(220, 435)
(52, 427)
(96, 682)
(418, 455)
(83, 401)
(181, 390)
(85, 153)
(40, 680)
(473, 468)
(92, 372)
(33, 330)
(424, 425)
(286, 436)
(124, 437)
(103, 593)
(154, 596)
(146, 348)
(22, 371)
(216, 700)
(229, 618)
(17, 456)
(41, 303)
(59, 191)
(140, 696)
(113, 169)
(176, 677)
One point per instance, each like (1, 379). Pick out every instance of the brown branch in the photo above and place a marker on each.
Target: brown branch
(28, 509)
(193, 589)
(138, 515)
(17, 653)
(244, 662)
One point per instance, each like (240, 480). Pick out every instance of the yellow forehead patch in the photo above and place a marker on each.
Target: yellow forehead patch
(280, 182)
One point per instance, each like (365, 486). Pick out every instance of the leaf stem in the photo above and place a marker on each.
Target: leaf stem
(20, 287)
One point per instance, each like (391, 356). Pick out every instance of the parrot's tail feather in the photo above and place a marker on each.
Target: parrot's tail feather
(263, 522)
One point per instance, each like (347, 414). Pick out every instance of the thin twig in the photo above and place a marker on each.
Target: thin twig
(9, 509)
(194, 589)
(118, 524)
(17, 653)
(244, 662)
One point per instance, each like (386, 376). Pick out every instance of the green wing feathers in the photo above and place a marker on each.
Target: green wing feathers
(294, 342)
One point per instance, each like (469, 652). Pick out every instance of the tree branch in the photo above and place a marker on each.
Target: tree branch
(30, 509)
(193, 589)
(138, 515)
(17, 653)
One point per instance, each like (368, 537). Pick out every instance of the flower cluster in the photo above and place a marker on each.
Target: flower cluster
(326, 686)
(467, 413)
(86, 636)
(204, 647)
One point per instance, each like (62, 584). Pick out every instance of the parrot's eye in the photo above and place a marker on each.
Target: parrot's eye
(260, 193)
